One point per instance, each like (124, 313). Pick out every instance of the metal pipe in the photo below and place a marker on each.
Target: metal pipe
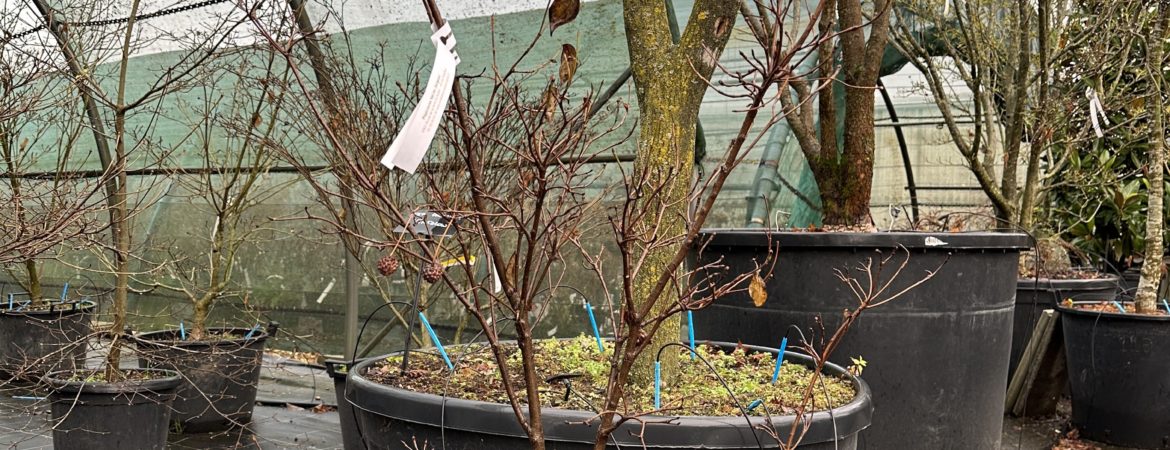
(902, 146)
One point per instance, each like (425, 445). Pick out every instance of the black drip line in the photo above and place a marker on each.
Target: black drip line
(120, 20)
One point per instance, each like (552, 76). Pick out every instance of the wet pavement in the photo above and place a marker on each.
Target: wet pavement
(286, 416)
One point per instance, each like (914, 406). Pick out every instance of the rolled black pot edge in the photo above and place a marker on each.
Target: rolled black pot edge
(570, 425)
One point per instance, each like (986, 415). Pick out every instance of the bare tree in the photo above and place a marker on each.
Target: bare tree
(109, 110)
(45, 208)
(234, 136)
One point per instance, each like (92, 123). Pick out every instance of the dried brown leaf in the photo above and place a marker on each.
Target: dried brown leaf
(551, 98)
(757, 291)
(562, 12)
(569, 63)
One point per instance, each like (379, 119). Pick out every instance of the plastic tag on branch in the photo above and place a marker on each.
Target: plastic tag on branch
(413, 140)
(757, 290)
(1096, 110)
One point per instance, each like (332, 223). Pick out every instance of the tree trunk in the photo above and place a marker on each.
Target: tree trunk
(670, 80)
(845, 179)
(663, 170)
(1147, 292)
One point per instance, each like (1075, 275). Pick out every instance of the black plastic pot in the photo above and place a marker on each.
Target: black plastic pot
(124, 415)
(388, 416)
(937, 356)
(338, 371)
(1118, 376)
(33, 343)
(1034, 295)
(220, 375)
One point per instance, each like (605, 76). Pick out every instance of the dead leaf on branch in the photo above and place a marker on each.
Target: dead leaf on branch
(757, 290)
(549, 101)
(569, 63)
(562, 12)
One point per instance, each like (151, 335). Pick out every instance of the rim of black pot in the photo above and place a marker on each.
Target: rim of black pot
(756, 237)
(1103, 279)
(1064, 309)
(172, 338)
(563, 425)
(166, 379)
(339, 368)
(56, 306)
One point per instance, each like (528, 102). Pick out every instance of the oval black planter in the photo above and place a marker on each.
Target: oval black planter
(388, 416)
(33, 343)
(338, 371)
(220, 377)
(125, 415)
(938, 356)
(1034, 295)
(1117, 372)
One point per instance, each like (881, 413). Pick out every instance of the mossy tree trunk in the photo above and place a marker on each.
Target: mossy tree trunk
(670, 80)
(1147, 292)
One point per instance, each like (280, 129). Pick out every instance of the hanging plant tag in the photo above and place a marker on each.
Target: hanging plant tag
(413, 140)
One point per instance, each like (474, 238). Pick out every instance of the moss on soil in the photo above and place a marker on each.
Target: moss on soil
(695, 391)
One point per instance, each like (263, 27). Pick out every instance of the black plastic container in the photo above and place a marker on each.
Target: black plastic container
(36, 342)
(338, 371)
(1119, 376)
(125, 415)
(220, 375)
(1034, 295)
(388, 416)
(937, 356)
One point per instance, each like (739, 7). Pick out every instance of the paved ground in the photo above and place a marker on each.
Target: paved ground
(285, 418)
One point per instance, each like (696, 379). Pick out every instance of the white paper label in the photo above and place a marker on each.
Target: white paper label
(412, 142)
(1096, 110)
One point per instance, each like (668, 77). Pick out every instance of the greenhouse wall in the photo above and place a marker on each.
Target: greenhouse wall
(294, 272)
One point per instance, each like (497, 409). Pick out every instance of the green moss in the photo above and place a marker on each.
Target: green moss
(693, 391)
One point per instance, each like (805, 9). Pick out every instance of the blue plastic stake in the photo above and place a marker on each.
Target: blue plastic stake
(1166, 305)
(9, 302)
(64, 290)
(691, 332)
(596, 333)
(1119, 307)
(182, 331)
(435, 339)
(657, 385)
(251, 332)
(780, 359)
(754, 404)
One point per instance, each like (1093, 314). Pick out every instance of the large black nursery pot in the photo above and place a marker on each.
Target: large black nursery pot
(220, 374)
(1034, 295)
(131, 414)
(1119, 376)
(338, 371)
(388, 416)
(937, 356)
(36, 341)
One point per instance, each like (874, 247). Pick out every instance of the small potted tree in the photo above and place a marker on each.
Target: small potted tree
(1118, 384)
(220, 365)
(40, 212)
(524, 159)
(115, 407)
